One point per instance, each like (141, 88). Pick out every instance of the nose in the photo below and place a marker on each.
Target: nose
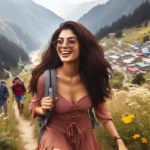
(64, 44)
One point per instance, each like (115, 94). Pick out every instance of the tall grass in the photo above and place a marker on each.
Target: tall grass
(136, 102)
(9, 135)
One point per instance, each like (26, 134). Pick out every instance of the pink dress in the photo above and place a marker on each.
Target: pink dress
(70, 127)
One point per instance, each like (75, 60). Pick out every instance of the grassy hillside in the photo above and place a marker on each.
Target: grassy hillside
(134, 34)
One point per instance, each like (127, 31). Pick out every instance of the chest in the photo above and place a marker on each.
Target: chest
(73, 91)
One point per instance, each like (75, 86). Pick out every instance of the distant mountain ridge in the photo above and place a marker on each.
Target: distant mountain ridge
(78, 10)
(33, 19)
(105, 14)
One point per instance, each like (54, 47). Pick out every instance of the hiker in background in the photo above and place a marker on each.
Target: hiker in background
(4, 97)
(82, 76)
(19, 93)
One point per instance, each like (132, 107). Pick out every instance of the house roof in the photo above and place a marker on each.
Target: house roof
(132, 69)
(128, 61)
(114, 57)
(142, 64)
(147, 60)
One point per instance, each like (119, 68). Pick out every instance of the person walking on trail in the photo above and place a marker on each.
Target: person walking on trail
(82, 75)
(4, 97)
(19, 93)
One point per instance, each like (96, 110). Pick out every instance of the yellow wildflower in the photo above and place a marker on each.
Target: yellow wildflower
(128, 118)
(135, 136)
(144, 140)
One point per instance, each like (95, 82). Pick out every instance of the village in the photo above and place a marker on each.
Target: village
(132, 60)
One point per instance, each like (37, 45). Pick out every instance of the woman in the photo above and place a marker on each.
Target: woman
(82, 81)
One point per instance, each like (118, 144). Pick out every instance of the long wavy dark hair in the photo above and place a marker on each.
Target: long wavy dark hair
(93, 68)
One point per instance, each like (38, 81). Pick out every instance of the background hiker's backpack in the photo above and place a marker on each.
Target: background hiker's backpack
(3, 94)
(50, 90)
(20, 80)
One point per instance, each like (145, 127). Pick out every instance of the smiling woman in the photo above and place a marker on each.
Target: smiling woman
(82, 82)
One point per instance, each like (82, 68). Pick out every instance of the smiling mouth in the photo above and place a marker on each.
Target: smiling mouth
(64, 53)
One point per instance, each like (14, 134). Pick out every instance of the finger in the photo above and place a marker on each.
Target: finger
(46, 104)
(47, 97)
(46, 100)
(46, 107)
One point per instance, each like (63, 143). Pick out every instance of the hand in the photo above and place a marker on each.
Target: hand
(8, 100)
(121, 145)
(47, 103)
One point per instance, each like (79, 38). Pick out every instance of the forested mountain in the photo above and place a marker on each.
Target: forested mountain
(140, 15)
(105, 14)
(34, 20)
(17, 35)
(10, 54)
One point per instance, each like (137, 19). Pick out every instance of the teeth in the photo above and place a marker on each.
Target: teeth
(66, 52)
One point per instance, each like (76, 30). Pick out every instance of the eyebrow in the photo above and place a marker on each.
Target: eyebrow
(68, 37)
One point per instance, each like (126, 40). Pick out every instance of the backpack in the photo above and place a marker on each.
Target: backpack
(3, 93)
(20, 80)
(50, 90)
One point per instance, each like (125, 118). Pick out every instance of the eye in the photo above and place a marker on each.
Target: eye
(59, 41)
(71, 41)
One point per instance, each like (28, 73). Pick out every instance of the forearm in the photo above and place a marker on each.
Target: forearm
(109, 126)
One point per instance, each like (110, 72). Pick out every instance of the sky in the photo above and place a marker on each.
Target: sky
(59, 6)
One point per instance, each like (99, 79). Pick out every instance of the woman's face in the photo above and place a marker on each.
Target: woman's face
(67, 46)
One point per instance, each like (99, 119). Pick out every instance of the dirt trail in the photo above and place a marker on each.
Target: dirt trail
(26, 131)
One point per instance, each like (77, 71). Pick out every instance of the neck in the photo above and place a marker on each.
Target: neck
(70, 70)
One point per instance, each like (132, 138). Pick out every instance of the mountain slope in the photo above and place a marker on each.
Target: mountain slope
(105, 14)
(17, 35)
(10, 54)
(34, 19)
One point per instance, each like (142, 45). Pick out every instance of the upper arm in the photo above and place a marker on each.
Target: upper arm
(36, 100)
(102, 112)
(24, 88)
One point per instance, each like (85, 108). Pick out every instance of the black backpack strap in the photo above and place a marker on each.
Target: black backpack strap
(49, 90)
(53, 84)
(47, 82)
(92, 118)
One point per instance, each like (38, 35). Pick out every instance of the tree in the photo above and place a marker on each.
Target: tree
(145, 38)
(139, 79)
(119, 34)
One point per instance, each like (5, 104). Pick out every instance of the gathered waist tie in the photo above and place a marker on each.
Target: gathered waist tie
(72, 131)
